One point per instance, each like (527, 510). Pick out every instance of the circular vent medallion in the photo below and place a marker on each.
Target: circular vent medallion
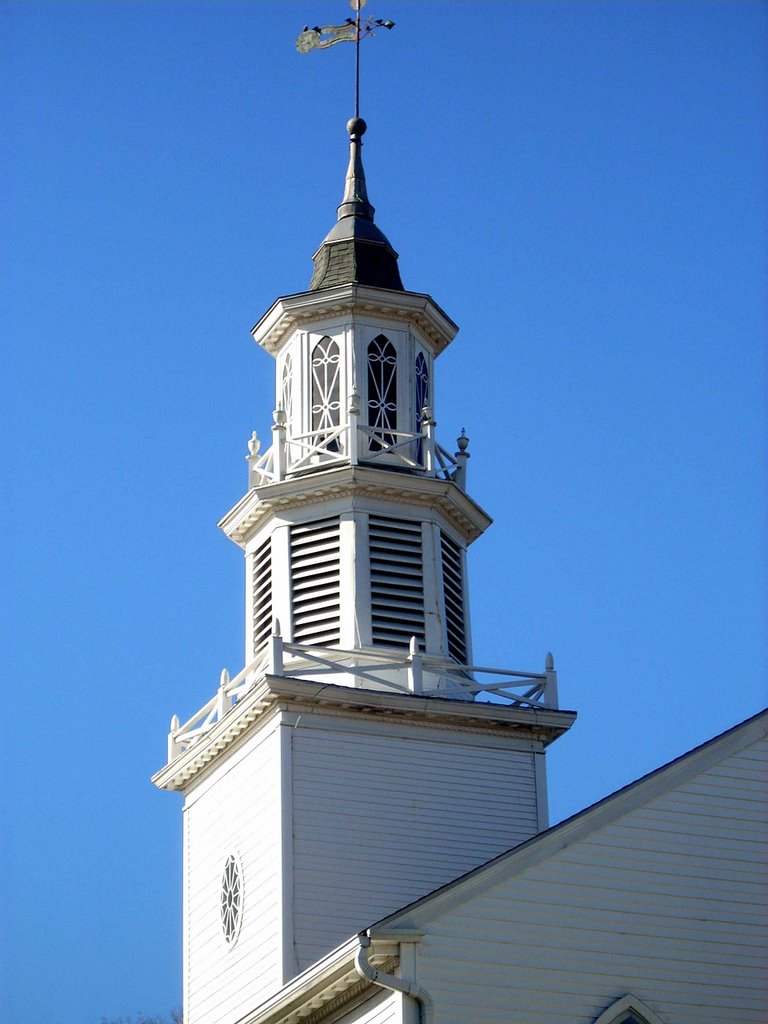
(231, 899)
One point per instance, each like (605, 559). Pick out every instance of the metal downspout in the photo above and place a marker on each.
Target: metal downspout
(410, 988)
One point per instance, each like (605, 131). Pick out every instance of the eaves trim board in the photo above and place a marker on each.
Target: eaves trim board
(238, 719)
(541, 724)
(324, 986)
(566, 833)
(420, 707)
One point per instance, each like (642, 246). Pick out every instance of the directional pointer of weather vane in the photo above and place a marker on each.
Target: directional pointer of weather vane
(352, 31)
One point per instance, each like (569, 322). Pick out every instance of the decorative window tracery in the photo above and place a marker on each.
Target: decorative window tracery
(231, 900)
(421, 378)
(286, 390)
(326, 406)
(382, 392)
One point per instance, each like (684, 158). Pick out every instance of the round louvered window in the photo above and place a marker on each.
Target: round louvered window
(231, 899)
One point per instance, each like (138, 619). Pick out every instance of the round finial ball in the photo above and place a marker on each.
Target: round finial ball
(356, 126)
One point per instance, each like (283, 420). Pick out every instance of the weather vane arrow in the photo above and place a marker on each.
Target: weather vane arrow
(352, 31)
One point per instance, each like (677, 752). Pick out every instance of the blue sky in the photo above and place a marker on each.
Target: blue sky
(580, 185)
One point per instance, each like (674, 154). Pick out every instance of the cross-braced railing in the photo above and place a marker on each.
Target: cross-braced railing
(412, 673)
(352, 443)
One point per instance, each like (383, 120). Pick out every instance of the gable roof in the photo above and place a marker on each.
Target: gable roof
(572, 829)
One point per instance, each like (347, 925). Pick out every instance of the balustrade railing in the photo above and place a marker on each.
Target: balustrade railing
(352, 443)
(413, 673)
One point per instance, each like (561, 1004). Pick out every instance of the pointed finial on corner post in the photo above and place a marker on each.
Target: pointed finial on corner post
(275, 651)
(252, 458)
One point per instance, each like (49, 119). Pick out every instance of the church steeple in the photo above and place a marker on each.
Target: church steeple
(359, 676)
(355, 250)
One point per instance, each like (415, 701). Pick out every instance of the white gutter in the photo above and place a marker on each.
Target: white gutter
(410, 988)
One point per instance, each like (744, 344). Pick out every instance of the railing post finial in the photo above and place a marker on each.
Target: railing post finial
(415, 668)
(221, 695)
(428, 430)
(550, 685)
(275, 651)
(252, 458)
(278, 444)
(173, 746)
(461, 456)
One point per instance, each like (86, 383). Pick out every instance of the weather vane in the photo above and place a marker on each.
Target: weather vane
(352, 31)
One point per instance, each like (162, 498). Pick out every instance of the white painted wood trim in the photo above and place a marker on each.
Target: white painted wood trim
(628, 1004)
(185, 937)
(286, 923)
(434, 618)
(542, 793)
(408, 1008)
(281, 580)
(348, 603)
(249, 646)
(302, 376)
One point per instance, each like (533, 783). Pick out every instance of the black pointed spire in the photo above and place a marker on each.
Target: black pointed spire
(355, 251)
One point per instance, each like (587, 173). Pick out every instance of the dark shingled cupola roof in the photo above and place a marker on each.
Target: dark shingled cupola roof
(354, 251)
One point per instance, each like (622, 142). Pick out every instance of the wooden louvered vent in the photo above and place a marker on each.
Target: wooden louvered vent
(262, 594)
(397, 589)
(315, 582)
(453, 594)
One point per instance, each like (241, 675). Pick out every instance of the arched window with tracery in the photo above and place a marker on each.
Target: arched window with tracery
(382, 392)
(421, 398)
(326, 406)
(286, 392)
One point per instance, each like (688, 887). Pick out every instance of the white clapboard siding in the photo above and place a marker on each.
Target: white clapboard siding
(236, 810)
(666, 901)
(381, 817)
(383, 1008)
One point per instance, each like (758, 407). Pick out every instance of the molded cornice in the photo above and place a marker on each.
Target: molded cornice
(303, 695)
(260, 503)
(291, 312)
(322, 989)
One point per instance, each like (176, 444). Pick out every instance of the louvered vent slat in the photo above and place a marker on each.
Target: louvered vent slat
(315, 582)
(453, 594)
(397, 588)
(262, 594)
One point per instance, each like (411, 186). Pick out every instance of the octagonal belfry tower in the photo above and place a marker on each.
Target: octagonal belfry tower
(356, 762)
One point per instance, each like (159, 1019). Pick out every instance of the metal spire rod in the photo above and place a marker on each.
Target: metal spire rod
(352, 31)
(357, 6)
